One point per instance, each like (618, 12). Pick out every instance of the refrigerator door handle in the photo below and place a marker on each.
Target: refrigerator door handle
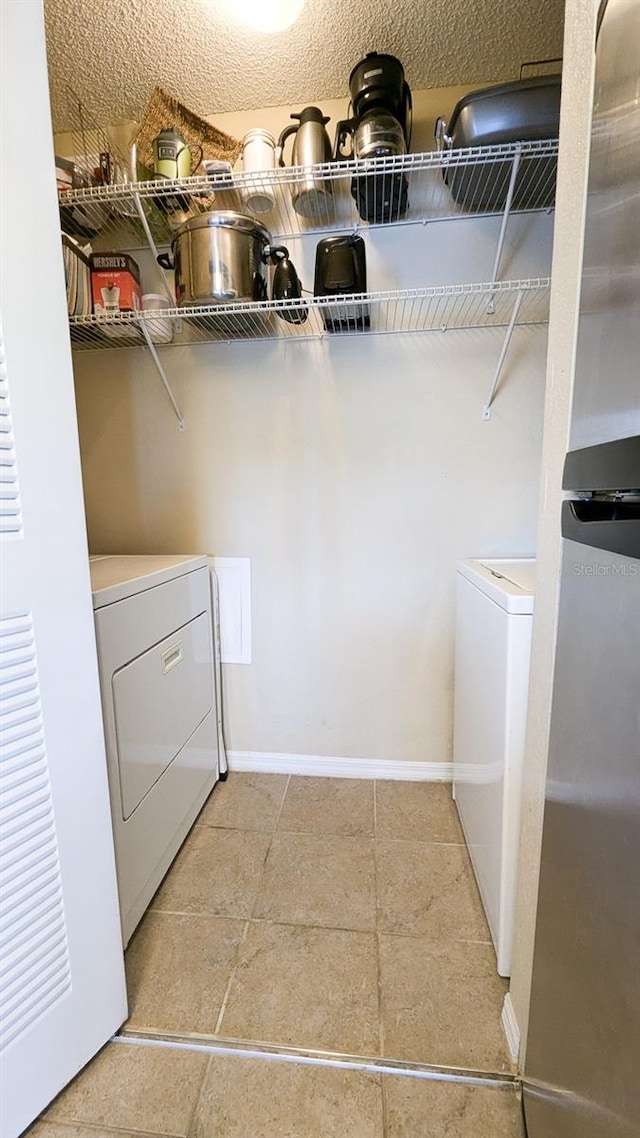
(614, 526)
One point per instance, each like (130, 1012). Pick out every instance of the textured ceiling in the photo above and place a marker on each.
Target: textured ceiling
(113, 52)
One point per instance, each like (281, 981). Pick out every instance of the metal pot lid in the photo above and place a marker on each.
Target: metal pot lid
(226, 219)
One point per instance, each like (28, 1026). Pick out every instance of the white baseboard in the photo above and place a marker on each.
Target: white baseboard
(331, 767)
(510, 1028)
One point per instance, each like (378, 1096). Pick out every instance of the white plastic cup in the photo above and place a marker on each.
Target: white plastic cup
(110, 298)
(110, 328)
(161, 327)
(258, 155)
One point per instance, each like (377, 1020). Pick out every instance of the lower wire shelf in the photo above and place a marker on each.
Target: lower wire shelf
(437, 308)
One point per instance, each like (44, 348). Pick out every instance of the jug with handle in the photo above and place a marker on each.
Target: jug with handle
(173, 157)
(312, 196)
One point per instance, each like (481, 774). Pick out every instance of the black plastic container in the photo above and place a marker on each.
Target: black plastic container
(341, 270)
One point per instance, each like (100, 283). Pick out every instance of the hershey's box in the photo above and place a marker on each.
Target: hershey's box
(115, 283)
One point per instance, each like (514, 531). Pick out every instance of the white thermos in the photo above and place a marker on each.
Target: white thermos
(258, 156)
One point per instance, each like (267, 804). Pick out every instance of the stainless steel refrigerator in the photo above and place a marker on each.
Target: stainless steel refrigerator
(582, 1072)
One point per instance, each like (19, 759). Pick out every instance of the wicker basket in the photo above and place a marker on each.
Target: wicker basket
(165, 111)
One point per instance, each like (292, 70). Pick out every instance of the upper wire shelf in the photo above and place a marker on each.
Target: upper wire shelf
(430, 186)
(438, 308)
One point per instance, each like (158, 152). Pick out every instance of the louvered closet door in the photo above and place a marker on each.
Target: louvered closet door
(61, 975)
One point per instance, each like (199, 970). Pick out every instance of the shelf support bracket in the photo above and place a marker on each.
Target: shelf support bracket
(165, 284)
(182, 426)
(486, 413)
(154, 249)
(133, 173)
(505, 221)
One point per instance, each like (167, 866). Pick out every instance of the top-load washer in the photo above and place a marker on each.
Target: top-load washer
(154, 631)
(494, 618)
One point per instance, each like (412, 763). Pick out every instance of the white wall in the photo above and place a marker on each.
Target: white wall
(577, 90)
(353, 472)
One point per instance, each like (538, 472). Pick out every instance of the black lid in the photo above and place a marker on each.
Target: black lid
(311, 114)
(378, 81)
(502, 89)
(373, 58)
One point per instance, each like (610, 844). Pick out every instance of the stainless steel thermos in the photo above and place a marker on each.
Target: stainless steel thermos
(312, 196)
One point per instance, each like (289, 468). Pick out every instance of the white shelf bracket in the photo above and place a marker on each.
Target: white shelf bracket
(505, 221)
(486, 413)
(182, 426)
(168, 291)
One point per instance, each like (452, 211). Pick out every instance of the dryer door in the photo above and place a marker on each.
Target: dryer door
(159, 700)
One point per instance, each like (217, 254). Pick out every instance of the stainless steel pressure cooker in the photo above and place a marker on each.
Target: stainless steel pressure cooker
(221, 257)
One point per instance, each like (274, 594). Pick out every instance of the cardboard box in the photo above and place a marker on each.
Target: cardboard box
(115, 283)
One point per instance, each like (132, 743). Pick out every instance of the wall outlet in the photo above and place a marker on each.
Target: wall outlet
(234, 584)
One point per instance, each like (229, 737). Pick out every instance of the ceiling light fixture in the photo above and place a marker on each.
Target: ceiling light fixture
(262, 15)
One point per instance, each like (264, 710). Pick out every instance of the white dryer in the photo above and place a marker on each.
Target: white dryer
(154, 631)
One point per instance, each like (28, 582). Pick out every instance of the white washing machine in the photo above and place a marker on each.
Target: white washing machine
(494, 616)
(154, 631)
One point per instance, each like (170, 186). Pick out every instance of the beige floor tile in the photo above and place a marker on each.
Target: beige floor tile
(216, 872)
(307, 987)
(135, 1088)
(242, 1097)
(428, 890)
(424, 1108)
(417, 811)
(177, 970)
(442, 1002)
(245, 802)
(328, 806)
(326, 880)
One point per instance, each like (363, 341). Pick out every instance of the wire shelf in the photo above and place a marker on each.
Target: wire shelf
(435, 185)
(97, 158)
(411, 310)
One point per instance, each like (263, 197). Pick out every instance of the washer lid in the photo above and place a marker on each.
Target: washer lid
(114, 578)
(511, 584)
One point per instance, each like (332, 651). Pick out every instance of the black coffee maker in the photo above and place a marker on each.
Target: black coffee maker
(380, 127)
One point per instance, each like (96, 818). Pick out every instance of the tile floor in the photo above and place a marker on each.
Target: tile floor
(134, 1090)
(328, 914)
(323, 914)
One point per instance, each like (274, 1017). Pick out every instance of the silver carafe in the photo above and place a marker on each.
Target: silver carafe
(312, 195)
